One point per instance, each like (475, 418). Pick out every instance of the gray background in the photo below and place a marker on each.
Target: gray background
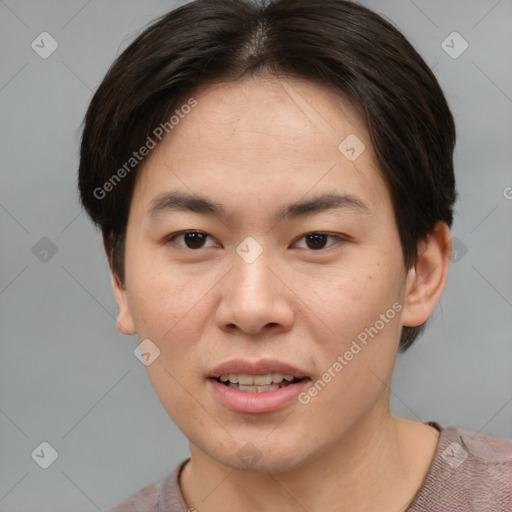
(68, 377)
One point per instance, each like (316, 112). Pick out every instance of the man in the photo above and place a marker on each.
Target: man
(274, 184)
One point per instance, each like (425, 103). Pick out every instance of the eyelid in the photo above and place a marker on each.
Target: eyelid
(170, 238)
(337, 236)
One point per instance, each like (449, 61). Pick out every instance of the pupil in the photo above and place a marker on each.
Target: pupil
(194, 238)
(316, 239)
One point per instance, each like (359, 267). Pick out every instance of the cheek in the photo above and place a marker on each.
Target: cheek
(357, 361)
(366, 341)
(354, 297)
(177, 394)
(160, 297)
(173, 310)
(169, 311)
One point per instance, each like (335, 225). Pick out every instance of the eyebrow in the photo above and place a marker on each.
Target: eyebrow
(178, 201)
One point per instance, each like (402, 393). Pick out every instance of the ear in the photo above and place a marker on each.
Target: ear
(426, 280)
(125, 323)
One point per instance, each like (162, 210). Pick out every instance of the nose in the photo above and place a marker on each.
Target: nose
(255, 298)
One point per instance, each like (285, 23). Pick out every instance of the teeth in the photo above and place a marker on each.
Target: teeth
(245, 380)
(262, 380)
(254, 389)
(255, 380)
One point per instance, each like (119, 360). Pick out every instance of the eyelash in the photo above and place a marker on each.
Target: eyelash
(338, 238)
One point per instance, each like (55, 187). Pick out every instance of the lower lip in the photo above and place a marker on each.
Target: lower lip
(256, 403)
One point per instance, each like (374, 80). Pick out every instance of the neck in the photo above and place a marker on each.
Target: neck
(370, 468)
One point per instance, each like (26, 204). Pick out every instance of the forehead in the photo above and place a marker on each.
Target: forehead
(271, 136)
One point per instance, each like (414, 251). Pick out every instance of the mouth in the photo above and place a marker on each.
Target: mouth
(257, 383)
(260, 387)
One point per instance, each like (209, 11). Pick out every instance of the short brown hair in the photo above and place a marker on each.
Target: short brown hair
(333, 42)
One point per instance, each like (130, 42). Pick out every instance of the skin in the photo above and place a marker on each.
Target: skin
(255, 145)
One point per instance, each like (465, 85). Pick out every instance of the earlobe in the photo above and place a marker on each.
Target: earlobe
(426, 280)
(124, 323)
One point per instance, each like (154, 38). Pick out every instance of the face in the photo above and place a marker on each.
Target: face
(248, 287)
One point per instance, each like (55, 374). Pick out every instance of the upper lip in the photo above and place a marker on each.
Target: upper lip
(261, 367)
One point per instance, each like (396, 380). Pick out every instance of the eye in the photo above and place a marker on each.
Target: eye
(191, 239)
(317, 240)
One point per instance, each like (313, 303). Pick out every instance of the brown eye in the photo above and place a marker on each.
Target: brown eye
(317, 241)
(191, 239)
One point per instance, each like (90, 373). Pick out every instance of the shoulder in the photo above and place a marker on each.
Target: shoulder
(146, 499)
(483, 448)
(157, 497)
(470, 471)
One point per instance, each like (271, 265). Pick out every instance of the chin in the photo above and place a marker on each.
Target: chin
(270, 458)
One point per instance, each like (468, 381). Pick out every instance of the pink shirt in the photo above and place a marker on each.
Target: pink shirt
(469, 472)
